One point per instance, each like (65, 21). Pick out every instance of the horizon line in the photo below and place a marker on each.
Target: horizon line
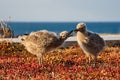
(62, 21)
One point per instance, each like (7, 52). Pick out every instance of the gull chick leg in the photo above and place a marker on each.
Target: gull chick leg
(95, 59)
(40, 59)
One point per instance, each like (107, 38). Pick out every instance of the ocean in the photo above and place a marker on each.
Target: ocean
(21, 28)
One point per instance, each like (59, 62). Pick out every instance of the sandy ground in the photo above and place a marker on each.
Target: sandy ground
(74, 38)
(111, 39)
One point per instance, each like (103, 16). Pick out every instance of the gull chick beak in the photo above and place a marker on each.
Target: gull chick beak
(76, 30)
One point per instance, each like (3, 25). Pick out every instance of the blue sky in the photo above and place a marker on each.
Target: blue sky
(60, 10)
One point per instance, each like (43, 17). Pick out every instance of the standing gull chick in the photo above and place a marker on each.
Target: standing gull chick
(43, 41)
(91, 43)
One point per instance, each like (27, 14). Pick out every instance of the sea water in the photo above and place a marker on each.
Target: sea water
(21, 28)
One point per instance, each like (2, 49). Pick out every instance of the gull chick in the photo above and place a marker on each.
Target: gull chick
(91, 43)
(43, 41)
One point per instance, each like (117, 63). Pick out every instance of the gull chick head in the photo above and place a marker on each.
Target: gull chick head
(80, 27)
(63, 34)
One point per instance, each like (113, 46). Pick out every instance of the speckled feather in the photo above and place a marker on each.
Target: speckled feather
(46, 40)
(91, 43)
(43, 41)
(94, 43)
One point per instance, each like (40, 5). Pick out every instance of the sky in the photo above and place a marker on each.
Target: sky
(60, 10)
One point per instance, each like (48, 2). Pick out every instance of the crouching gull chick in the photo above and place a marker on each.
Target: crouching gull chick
(43, 41)
(91, 43)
